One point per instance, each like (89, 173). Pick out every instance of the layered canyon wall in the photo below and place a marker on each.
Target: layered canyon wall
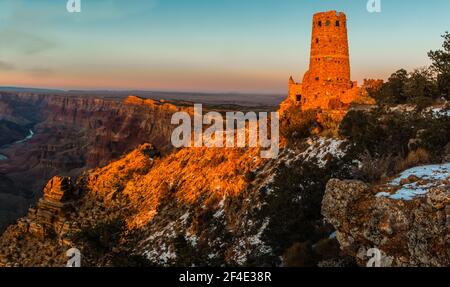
(68, 135)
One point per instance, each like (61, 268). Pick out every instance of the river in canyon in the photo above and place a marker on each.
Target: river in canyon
(25, 139)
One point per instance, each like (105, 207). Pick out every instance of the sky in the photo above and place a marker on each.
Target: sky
(203, 45)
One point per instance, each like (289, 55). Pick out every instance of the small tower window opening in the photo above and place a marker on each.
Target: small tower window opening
(298, 98)
(320, 23)
(317, 78)
(338, 23)
(317, 40)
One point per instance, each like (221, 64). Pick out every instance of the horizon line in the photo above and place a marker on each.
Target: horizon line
(65, 90)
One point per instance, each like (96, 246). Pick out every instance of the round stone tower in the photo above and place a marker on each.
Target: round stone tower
(327, 82)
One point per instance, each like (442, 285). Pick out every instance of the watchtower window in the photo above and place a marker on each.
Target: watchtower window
(320, 23)
(317, 78)
(317, 40)
(338, 23)
(298, 98)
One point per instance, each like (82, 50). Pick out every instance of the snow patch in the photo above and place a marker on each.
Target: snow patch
(439, 112)
(246, 246)
(430, 176)
(184, 218)
(321, 148)
(191, 238)
(219, 213)
(332, 235)
(163, 255)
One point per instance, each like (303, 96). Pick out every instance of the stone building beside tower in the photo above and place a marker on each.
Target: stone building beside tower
(327, 85)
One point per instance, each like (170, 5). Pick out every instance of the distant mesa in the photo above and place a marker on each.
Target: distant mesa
(135, 100)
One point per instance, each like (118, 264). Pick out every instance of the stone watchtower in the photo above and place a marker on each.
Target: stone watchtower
(326, 85)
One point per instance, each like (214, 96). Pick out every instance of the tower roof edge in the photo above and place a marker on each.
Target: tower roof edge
(333, 13)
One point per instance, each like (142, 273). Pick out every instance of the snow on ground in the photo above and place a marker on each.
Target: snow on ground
(220, 211)
(256, 239)
(439, 112)
(332, 235)
(191, 238)
(184, 218)
(320, 148)
(403, 108)
(252, 244)
(430, 176)
(163, 255)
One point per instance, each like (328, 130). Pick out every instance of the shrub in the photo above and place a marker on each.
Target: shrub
(434, 135)
(441, 66)
(420, 87)
(299, 255)
(101, 238)
(372, 169)
(414, 158)
(298, 125)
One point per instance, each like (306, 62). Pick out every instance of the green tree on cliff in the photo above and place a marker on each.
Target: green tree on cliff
(441, 65)
(420, 88)
(393, 91)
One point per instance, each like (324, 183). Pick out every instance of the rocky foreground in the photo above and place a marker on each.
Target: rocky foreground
(408, 220)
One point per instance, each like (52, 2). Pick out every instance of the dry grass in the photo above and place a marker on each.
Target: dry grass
(372, 169)
(417, 157)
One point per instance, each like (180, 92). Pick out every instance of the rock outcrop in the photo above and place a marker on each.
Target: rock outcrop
(409, 231)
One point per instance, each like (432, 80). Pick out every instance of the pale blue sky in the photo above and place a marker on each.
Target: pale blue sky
(203, 45)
